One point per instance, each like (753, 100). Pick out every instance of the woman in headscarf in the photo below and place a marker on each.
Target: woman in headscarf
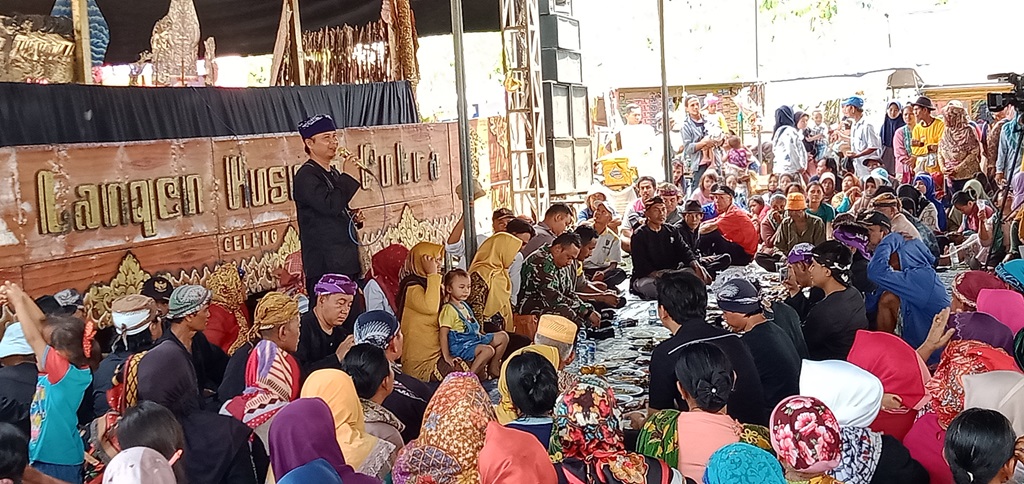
(903, 375)
(1002, 391)
(788, 144)
(901, 144)
(917, 202)
(228, 314)
(956, 217)
(216, 446)
(967, 286)
(139, 465)
(367, 454)
(1012, 273)
(512, 456)
(742, 463)
(959, 148)
(505, 410)
(271, 381)
(945, 388)
(926, 186)
(588, 438)
(855, 397)
(383, 281)
(1005, 305)
(303, 432)
(893, 122)
(452, 437)
(806, 437)
(659, 437)
(418, 304)
(981, 327)
(490, 295)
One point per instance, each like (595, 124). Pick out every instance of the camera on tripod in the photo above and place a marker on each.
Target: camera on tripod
(998, 101)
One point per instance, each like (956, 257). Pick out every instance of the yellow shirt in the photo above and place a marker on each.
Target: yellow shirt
(449, 318)
(929, 134)
(420, 330)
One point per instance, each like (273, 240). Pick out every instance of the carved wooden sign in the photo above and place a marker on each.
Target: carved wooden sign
(101, 218)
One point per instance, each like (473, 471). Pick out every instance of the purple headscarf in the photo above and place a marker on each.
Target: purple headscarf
(853, 237)
(800, 253)
(981, 327)
(303, 432)
(335, 284)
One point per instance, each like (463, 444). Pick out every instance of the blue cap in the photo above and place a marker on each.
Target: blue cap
(855, 101)
(14, 342)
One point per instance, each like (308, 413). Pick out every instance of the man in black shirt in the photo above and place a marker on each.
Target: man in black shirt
(658, 247)
(693, 215)
(327, 226)
(18, 374)
(409, 399)
(276, 320)
(682, 307)
(832, 324)
(775, 356)
(323, 341)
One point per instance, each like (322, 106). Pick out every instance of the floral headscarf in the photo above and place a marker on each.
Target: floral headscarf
(659, 437)
(271, 379)
(587, 426)
(741, 463)
(961, 358)
(968, 285)
(805, 435)
(453, 433)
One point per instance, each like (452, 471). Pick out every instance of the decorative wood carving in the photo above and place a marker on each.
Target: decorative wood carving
(175, 44)
(210, 59)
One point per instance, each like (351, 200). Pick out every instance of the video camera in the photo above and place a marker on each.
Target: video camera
(998, 101)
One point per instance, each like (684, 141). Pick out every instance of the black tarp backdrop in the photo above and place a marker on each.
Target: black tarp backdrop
(249, 27)
(33, 114)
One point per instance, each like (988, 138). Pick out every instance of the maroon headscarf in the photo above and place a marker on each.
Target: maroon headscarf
(303, 432)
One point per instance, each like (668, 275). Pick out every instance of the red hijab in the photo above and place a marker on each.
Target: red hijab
(902, 373)
(386, 266)
(513, 457)
(960, 358)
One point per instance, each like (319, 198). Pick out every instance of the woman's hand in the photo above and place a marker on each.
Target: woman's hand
(431, 265)
(938, 335)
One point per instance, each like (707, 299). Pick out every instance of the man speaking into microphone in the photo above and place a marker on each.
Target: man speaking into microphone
(327, 226)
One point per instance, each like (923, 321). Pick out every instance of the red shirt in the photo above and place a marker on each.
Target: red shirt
(737, 227)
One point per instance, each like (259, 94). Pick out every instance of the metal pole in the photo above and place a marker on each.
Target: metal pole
(466, 168)
(665, 125)
(757, 47)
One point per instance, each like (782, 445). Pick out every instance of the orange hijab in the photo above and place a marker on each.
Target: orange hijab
(511, 456)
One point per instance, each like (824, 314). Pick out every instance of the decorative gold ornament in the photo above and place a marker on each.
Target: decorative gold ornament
(175, 44)
(408, 232)
(128, 280)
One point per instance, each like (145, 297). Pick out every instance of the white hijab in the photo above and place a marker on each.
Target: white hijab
(138, 465)
(853, 394)
(1002, 391)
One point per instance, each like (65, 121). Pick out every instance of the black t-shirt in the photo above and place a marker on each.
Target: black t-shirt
(17, 387)
(832, 324)
(325, 229)
(859, 275)
(896, 465)
(409, 402)
(317, 348)
(233, 383)
(777, 361)
(746, 404)
(788, 320)
(657, 251)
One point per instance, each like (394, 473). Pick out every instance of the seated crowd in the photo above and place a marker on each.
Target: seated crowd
(857, 367)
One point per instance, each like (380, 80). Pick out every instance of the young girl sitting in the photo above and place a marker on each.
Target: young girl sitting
(62, 345)
(460, 332)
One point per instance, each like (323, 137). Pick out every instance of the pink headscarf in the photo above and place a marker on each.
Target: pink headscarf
(902, 373)
(1005, 305)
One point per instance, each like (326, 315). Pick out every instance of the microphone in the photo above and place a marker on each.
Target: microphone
(347, 155)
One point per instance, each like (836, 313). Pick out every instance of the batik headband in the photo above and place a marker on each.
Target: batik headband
(800, 253)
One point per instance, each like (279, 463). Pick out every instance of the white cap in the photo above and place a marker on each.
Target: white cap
(14, 342)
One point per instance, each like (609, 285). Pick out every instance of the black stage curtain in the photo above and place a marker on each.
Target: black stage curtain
(33, 114)
(249, 27)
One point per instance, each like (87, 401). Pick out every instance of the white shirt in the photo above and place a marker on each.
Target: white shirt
(863, 136)
(376, 300)
(515, 273)
(608, 251)
(458, 249)
(789, 151)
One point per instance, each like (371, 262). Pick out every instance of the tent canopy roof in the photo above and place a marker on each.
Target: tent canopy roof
(249, 27)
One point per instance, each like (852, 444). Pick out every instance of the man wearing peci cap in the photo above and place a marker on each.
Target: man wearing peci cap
(18, 374)
(323, 340)
(865, 143)
(409, 399)
(775, 356)
(658, 247)
(159, 289)
(327, 225)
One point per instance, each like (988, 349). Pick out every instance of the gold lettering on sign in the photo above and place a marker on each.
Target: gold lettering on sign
(277, 180)
(417, 172)
(250, 240)
(166, 191)
(368, 157)
(400, 168)
(138, 202)
(87, 208)
(434, 168)
(256, 188)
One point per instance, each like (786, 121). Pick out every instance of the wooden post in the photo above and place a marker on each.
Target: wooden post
(289, 36)
(83, 44)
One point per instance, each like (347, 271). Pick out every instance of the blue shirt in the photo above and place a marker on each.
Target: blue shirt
(54, 412)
